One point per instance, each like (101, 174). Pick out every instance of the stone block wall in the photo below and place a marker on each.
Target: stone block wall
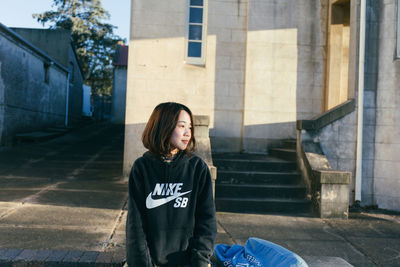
(370, 82)
(264, 69)
(387, 139)
(227, 21)
(157, 71)
(285, 69)
(338, 143)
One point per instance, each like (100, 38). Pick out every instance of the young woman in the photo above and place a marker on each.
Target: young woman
(171, 213)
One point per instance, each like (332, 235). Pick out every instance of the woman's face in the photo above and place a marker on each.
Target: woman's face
(183, 132)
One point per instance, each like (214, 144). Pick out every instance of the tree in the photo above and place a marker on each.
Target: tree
(94, 40)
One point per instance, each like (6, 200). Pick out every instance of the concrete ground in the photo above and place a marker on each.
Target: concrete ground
(67, 194)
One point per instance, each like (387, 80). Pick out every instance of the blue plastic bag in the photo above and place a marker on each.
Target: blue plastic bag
(256, 253)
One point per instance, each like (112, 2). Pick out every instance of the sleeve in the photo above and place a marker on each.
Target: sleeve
(205, 222)
(137, 251)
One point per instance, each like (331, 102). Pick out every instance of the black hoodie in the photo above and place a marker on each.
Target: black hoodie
(171, 213)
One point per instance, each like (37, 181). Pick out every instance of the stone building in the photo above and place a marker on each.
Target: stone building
(33, 87)
(57, 43)
(257, 68)
(119, 84)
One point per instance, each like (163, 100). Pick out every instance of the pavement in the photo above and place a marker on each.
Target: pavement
(63, 202)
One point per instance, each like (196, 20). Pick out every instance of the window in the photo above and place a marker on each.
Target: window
(46, 69)
(398, 31)
(196, 32)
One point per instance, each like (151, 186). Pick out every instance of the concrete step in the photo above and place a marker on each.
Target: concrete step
(245, 191)
(259, 183)
(245, 156)
(273, 165)
(263, 205)
(255, 177)
(290, 143)
(284, 153)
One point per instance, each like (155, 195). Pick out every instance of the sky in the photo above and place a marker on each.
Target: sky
(18, 13)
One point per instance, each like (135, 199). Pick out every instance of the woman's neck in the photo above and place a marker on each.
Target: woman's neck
(173, 153)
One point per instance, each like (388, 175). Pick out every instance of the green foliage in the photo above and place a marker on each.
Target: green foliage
(94, 40)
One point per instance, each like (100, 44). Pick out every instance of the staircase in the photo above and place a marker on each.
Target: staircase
(256, 183)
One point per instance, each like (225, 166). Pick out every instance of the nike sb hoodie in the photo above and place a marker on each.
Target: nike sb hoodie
(171, 213)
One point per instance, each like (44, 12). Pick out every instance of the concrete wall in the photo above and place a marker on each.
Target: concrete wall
(264, 69)
(387, 139)
(76, 87)
(2, 103)
(157, 72)
(227, 29)
(29, 102)
(370, 81)
(285, 69)
(119, 95)
(57, 44)
(54, 42)
(338, 141)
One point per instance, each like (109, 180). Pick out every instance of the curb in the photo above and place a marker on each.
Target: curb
(45, 258)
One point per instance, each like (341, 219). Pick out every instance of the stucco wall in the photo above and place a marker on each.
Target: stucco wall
(119, 95)
(29, 102)
(387, 145)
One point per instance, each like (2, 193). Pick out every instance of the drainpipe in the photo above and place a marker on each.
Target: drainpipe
(360, 114)
(67, 102)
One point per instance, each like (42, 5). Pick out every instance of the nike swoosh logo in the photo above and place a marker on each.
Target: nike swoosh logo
(154, 203)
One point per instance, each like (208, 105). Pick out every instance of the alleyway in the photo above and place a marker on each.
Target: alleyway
(66, 193)
(64, 201)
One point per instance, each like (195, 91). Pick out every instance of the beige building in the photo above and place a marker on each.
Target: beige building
(256, 67)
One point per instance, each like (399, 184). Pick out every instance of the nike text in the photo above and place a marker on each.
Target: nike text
(170, 192)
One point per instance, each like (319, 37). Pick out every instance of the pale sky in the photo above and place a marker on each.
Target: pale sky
(18, 13)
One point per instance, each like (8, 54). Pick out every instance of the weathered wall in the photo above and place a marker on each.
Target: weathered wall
(57, 44)
(119, 95)
(76, 87)
(370, 87)
(54, 42)
(387, 139)
(2, 104)
(29, 102)
(285, 69)
(338, 141)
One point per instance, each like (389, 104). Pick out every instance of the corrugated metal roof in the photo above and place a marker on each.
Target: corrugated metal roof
(121, 56)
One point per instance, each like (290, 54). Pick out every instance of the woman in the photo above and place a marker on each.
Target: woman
(171, 213)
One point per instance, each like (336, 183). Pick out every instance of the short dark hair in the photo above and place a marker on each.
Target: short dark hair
(156, 136)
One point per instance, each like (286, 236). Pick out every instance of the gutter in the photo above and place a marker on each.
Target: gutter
(360, 113)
